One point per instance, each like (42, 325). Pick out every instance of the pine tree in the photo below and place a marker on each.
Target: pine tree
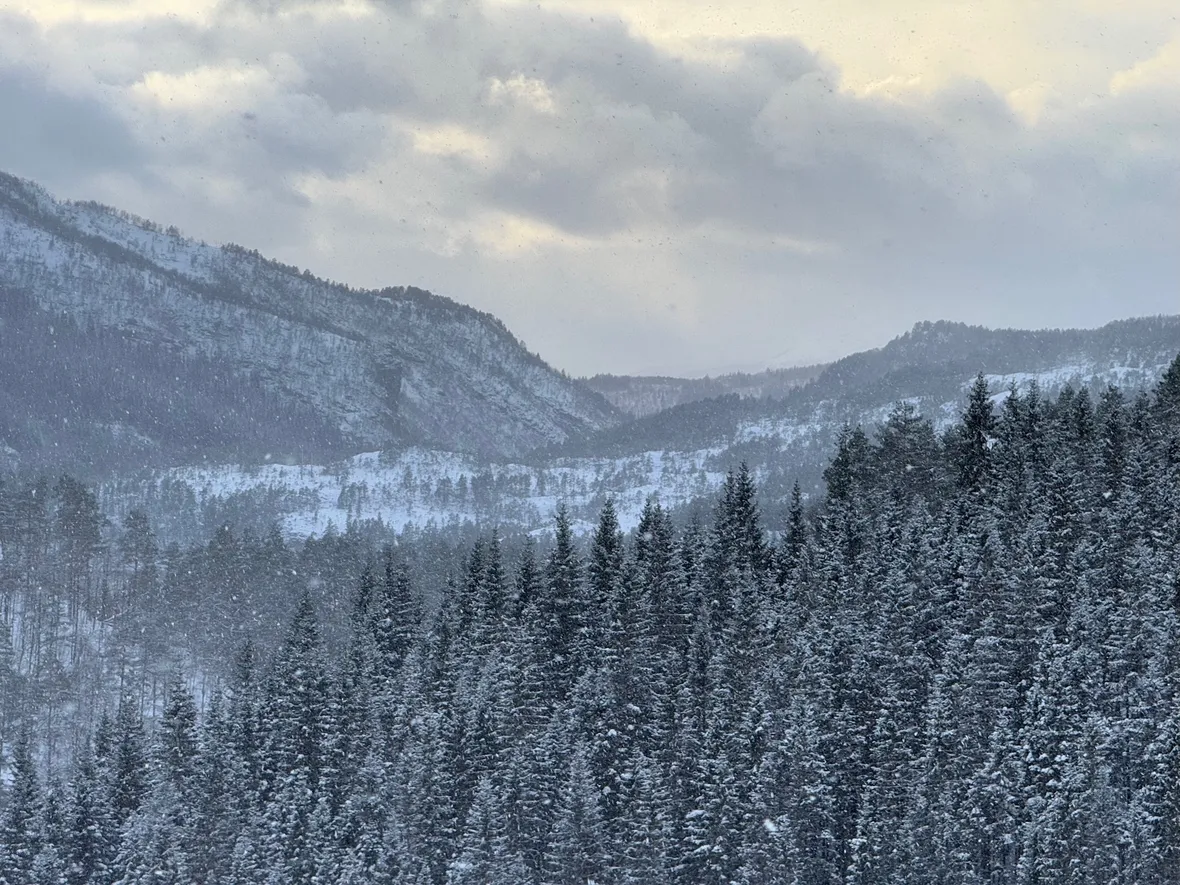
(578, 849)
(299, 731)
(1157, 804)
(604, 591)
(907, 455)
(155, 842)
(794, 542)
(177, 741)
(973, 437)
(1167, 396)
(492, 610)
(850, 466)
(93, 838)
(79, 524)
(527, 585)
(221, 795)
(426, 790)
(558, 606)
(485, 854)
(126, 762)
(20, 832)
(140, 553)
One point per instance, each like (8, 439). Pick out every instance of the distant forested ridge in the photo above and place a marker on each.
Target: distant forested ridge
(961, 666)
(639, 396)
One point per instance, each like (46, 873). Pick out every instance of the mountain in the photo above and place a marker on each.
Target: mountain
(126, 343)
(639, 396)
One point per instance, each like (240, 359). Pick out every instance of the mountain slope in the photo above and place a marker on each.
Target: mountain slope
(379, 368)
(930, 365)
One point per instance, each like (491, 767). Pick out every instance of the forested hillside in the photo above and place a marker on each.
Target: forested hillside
(931, 366)
(137, 323)
(680, 455)
(962, 665)
(89, 400)
(91, 609)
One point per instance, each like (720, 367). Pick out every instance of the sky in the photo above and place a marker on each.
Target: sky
(638, 186)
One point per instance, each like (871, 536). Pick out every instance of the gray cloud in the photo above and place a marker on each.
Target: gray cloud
(50, 134)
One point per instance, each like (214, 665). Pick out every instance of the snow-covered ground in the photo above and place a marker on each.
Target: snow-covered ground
(1127, 377)
(421, 487)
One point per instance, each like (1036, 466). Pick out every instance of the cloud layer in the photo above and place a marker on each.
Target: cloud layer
(626, 198)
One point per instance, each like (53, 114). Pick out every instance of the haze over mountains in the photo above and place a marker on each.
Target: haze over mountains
(638, 396)
(128, 346)
(839, 573)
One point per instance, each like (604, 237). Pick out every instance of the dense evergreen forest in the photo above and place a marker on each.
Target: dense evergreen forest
(961, 666)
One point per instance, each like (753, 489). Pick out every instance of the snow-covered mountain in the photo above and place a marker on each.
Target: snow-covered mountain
(255, 392)
(369, 369)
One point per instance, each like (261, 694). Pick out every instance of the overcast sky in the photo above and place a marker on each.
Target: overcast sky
(638, 186)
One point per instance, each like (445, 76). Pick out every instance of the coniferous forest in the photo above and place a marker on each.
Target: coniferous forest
(961, 666)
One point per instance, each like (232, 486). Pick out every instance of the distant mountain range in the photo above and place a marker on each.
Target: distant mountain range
(639, 396)
(930, 366)
(174, 370)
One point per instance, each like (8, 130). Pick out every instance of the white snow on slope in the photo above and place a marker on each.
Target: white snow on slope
(421, 487)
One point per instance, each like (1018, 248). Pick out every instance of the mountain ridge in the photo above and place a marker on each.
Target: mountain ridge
(386, 367)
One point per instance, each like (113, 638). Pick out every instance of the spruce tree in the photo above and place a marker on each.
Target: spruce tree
(20, 831)
(972, 440)
(559, 606)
